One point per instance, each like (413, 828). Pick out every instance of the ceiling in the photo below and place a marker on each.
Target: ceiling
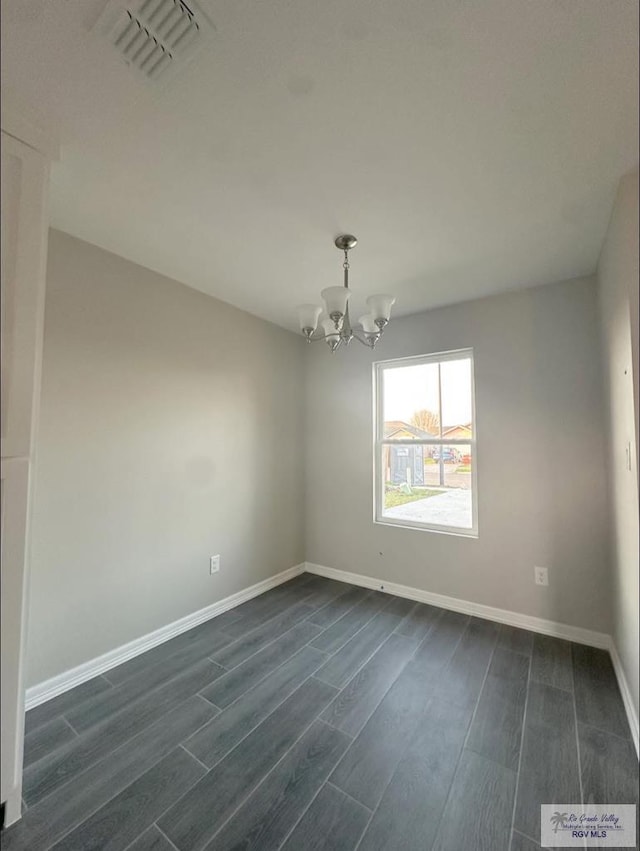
(473, 147)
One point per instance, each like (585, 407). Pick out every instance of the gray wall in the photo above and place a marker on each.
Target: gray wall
(540, 446)
(170, 430)
(618, 290)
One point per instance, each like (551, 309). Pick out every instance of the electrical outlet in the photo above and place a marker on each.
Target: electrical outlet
(541, 575)
(214, 564)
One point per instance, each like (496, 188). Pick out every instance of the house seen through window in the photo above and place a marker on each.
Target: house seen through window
(425, 443)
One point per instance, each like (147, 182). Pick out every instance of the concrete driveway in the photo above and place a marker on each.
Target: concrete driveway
(451, 508)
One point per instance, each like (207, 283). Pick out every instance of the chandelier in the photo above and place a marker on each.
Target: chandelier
(336, 326)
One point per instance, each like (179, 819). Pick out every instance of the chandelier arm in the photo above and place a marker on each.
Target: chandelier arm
(364, 341)
(315, 338)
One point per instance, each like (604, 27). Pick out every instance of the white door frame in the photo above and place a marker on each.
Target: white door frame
(25, 159)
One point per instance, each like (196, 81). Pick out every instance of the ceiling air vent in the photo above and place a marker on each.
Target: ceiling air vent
(154, 37)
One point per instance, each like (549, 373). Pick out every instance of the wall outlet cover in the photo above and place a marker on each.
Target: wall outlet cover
(541, 575)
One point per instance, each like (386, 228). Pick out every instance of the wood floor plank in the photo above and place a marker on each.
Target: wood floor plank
(73, 802)
(496, 731)
(337, 635)
(236, 653)
(358, 700)
(47, 774)
(463, 677)
(64, 703)
(549, 764)
(598, 699)
(115, 825)
(515, 639)
(311, 583)
(368, 765)
(214, 741)
(523, 843)
(267, 816)
(333, 822)
(419, 621)
(45, 739)
(104, 706)
(151, 840)
(224, 618)
(329, 591)
(341, 667)
(194, 820)
(479, 808)
(440, 644)
(207, 637)
(609, 767)
(336, 608)
(551, 662)
(300, 580)
(413, 802)
(234, 684)
(261, 609)
(399, 606)
(278, 598)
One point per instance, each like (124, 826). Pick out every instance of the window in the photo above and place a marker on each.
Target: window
(425, 443)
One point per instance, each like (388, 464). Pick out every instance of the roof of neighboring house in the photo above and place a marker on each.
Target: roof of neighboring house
(392, 427)
(463, 426)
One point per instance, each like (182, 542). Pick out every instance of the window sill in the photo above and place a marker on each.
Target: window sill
(421, 527)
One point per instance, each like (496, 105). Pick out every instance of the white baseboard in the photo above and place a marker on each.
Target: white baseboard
(534, 624)
(625, 691)
(571, 633)
(69, 679)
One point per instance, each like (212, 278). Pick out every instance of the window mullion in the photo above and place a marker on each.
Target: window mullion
(440, 398)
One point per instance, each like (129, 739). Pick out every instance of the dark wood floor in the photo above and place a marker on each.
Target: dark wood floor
(324, 716)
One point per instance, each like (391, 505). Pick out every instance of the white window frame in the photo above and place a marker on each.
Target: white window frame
(380, 441)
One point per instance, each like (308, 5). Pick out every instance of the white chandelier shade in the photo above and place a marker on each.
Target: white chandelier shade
(380, 306)
(336, 300)
(308, 316)
(368, 324)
